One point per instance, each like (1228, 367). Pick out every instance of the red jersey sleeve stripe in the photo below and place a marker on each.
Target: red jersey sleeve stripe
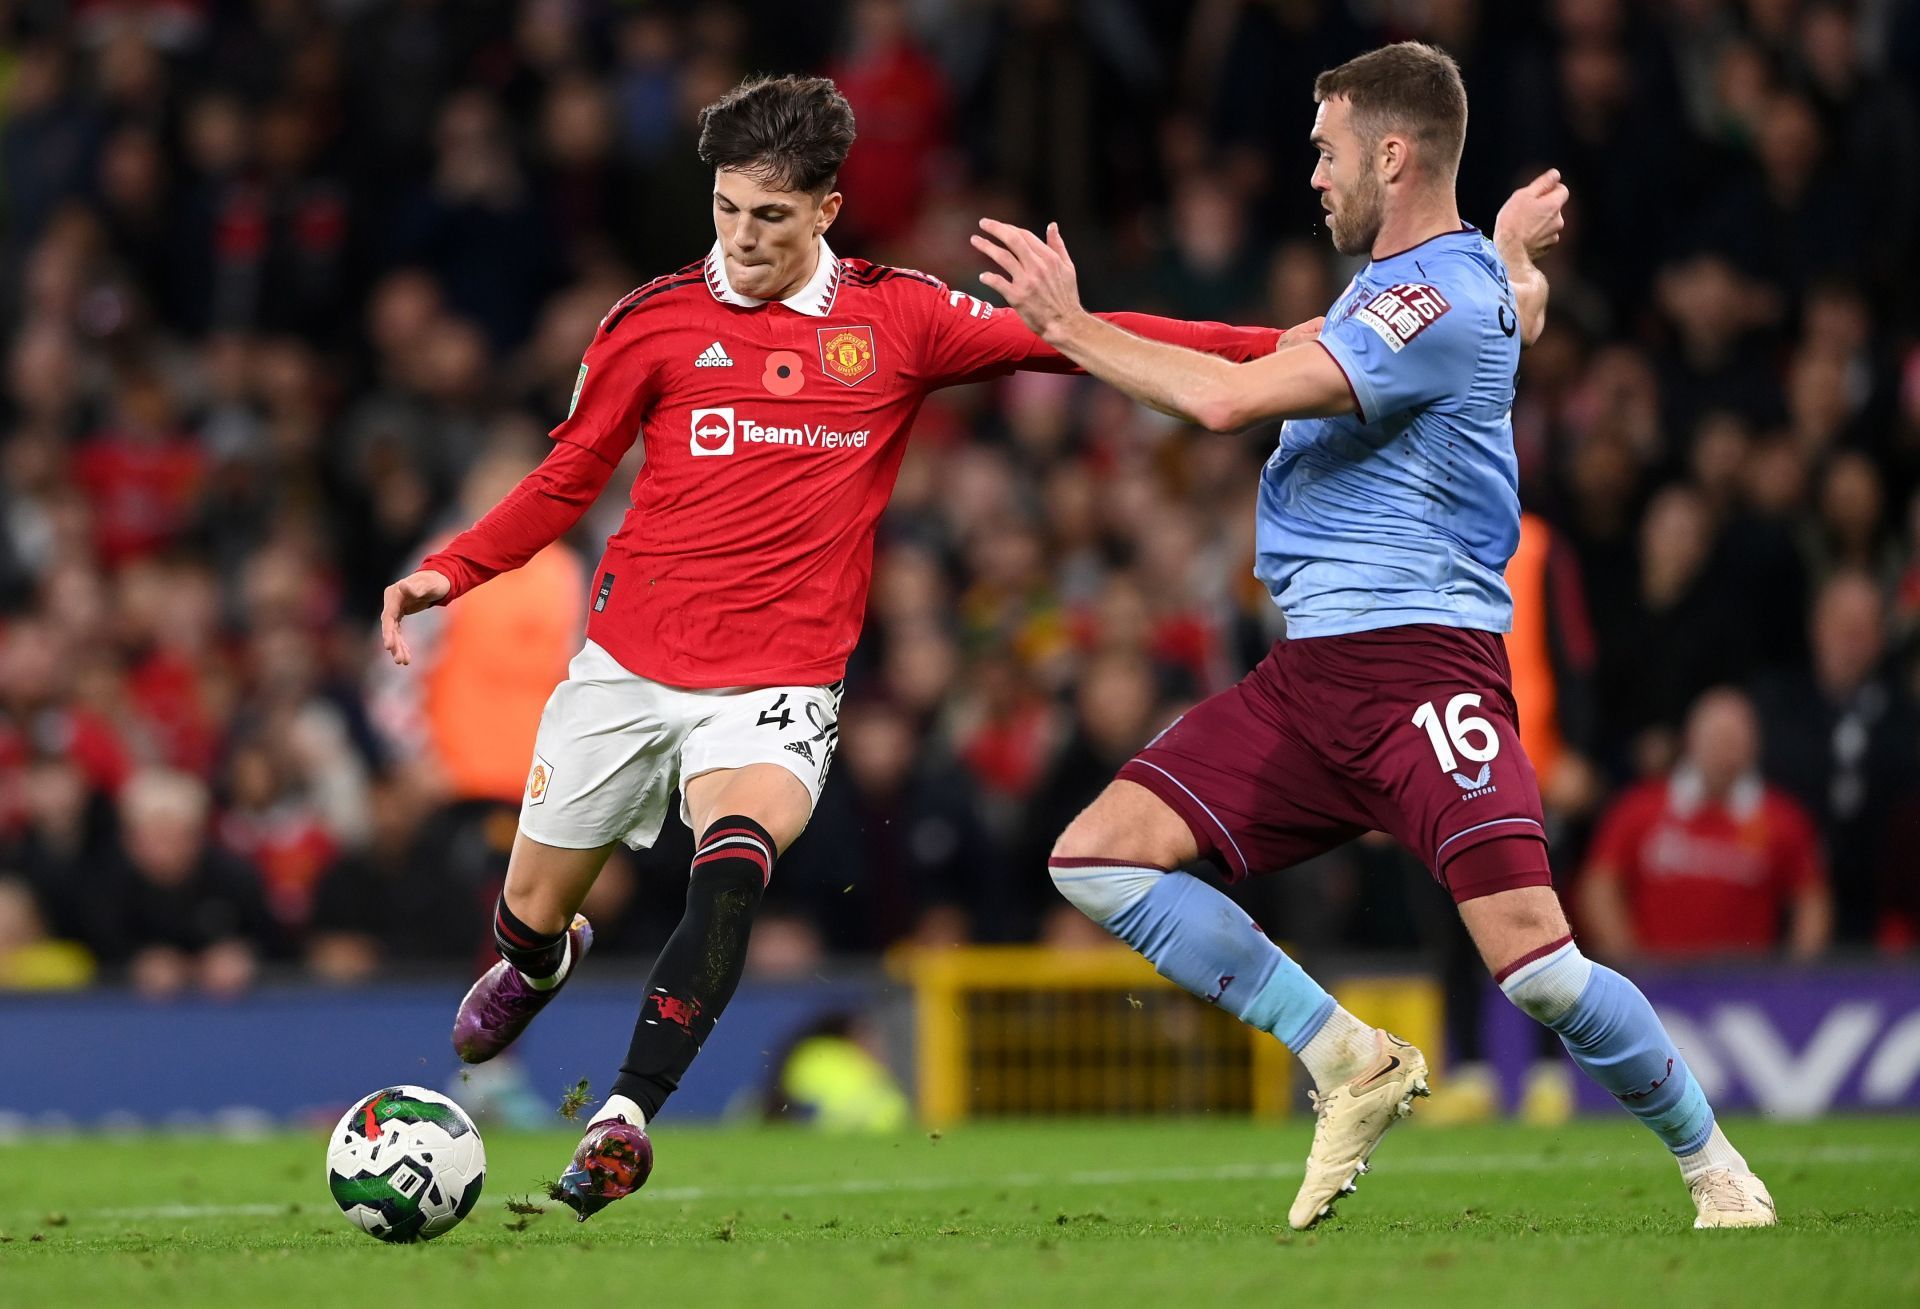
(643, 295)
(879, 273)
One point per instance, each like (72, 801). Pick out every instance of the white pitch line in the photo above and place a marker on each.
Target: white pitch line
(197, 1211)
(1522, 1163)
(1527, 1163)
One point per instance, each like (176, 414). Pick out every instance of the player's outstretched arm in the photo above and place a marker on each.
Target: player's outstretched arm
(1528, 226)
(1238, 344)
(966, 339)
(1037, 279)
(532, 516)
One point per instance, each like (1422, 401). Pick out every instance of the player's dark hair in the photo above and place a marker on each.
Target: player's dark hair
(792, 133)
(1407, 87)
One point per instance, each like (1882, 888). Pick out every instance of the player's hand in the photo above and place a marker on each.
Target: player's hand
(409, 595)
(1301, 334)
(1533, 215)
(1037, 280)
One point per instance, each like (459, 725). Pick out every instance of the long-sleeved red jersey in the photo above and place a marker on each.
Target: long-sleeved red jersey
(774, 433)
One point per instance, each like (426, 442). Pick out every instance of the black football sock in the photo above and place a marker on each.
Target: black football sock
(535, 954)
(698, 970)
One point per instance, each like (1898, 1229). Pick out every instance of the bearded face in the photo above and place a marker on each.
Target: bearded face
(1351, 193)
(1355, 218)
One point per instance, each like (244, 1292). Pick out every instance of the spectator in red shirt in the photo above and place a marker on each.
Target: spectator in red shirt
(142, 474)
(1711, 860)
(899, 95)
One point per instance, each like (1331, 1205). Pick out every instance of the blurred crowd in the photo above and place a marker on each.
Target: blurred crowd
(291, 289)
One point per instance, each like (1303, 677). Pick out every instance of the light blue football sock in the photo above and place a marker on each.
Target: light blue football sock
(1198, 938)
(1615, 1036)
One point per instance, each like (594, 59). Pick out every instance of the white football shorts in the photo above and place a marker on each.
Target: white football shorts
(613, 746)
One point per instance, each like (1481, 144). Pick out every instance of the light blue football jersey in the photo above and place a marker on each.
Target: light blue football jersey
(1407, 511)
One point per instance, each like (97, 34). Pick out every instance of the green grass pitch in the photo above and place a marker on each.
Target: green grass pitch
(1125, 1215)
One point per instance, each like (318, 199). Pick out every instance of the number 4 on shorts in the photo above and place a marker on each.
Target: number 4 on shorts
(782, 720)
(1460, 732)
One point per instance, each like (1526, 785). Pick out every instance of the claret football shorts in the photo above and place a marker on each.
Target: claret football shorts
(1410, 731)
(613, 746)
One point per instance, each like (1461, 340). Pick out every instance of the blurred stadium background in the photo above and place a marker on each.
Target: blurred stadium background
(291, 290)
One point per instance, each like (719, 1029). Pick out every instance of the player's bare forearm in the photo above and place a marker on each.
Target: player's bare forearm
(1529, 301)
(1038, 279)
(1186, 384)
(1529, 225)
(1199, 388)
(1528, 283)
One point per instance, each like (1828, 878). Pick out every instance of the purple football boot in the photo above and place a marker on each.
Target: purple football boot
(501, 1003)
(613, 1161)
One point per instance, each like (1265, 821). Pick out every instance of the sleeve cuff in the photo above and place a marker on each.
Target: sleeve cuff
(459, 577)
(1348, 370)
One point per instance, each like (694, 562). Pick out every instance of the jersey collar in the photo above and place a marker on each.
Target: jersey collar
(815, 299)
(1465, 229)
(1687, 794)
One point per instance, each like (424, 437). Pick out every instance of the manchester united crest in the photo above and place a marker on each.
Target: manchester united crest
(846, 354)
(537, 780)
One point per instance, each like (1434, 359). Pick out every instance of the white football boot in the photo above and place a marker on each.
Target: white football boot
(1351, 1119)
(1729, 1199)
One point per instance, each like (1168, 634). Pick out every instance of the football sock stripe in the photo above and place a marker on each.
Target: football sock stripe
(535, 954)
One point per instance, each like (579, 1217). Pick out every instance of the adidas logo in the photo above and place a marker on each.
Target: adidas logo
(802, 749)
(714, 356)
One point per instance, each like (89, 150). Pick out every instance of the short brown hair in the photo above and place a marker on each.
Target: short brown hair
(791, 132)
(1408, 87)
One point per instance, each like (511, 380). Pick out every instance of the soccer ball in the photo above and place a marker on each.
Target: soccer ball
(406, 1164)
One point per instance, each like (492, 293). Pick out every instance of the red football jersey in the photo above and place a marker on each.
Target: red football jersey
(1707, 877)
(774, 432)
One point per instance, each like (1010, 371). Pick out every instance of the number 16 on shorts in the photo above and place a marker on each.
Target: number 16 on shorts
(1458, 735)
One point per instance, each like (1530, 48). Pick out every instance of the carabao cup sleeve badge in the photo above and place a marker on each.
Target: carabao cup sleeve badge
(846, 354)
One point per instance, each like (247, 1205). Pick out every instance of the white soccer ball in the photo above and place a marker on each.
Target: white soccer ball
(406, 1164)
